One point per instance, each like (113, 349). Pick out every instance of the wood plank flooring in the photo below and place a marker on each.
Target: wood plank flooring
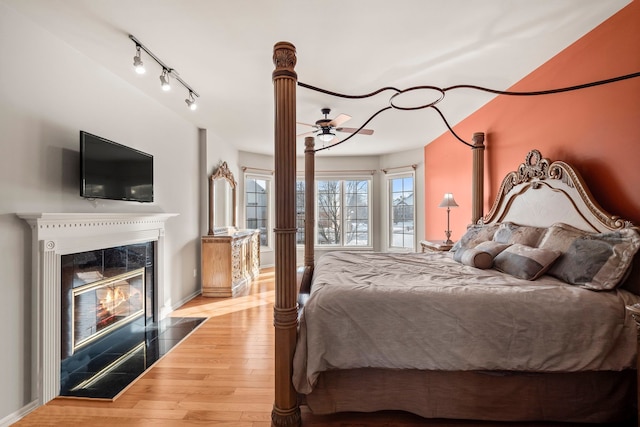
(222, 375)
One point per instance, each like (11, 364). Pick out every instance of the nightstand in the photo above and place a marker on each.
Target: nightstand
(435, 245)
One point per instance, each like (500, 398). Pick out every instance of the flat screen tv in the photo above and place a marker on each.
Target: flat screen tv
(109, 170)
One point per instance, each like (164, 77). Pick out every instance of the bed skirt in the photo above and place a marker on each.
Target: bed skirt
(589, 397)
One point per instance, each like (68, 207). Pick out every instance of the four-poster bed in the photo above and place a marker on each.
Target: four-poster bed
(471, 346)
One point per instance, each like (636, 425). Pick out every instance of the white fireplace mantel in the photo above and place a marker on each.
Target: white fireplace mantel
(56, 234)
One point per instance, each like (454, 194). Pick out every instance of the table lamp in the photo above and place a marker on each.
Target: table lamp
(448, 202)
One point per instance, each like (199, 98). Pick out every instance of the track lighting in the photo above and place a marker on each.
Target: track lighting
(191, 102)
(164, 80)
(167, 72)
(137, 61)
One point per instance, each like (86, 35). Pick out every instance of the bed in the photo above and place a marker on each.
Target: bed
(508, 326)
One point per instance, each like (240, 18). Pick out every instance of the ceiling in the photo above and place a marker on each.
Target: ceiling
(223, 50)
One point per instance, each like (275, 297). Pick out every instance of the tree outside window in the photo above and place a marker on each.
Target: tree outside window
(343, 212)
(357, 213)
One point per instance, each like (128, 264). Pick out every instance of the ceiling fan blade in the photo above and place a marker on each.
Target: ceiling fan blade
(306, 134)
(339, 120)
(352, 130)
(306, 124)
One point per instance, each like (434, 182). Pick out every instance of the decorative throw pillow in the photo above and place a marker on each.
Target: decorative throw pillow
(493, 248)
(598, 261)
(525, 262)
(474, 258)
(480, 256)
(509, 232)
(475, 234)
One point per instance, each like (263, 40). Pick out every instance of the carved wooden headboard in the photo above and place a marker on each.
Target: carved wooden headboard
(540, 193)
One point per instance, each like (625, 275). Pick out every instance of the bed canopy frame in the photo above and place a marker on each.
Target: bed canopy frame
(286, 411)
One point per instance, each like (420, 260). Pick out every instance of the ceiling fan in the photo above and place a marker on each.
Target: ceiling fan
(323, 129)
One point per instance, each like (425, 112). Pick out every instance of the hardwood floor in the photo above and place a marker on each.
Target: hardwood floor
(222, 375)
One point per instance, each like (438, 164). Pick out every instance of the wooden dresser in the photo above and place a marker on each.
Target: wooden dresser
(229, 262)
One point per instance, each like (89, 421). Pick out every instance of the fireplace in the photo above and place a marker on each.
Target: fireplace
(56, 236)
(103, 290)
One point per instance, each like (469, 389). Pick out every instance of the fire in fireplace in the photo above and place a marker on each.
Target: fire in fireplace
(102, 306)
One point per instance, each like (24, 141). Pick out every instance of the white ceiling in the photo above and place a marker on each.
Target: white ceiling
(223, 50)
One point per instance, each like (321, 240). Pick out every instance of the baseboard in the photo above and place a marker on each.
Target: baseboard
(19, 414)
(185, 300)
(166, 310)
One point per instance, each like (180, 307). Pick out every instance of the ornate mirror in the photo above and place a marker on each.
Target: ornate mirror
(222, 200)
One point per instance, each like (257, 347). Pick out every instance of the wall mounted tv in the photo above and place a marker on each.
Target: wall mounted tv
(109, 170)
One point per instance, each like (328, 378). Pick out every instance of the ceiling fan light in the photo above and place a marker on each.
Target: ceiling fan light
(326, 136)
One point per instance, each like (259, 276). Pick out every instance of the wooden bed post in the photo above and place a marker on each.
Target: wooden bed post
(477, 189)
(309, 201)
(286, 411)
(634, 310)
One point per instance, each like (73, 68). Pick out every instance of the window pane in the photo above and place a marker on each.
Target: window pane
(343, 212)
(402, 212)
(257, 207)
(300, 212)
(329, 213)
(357, 213)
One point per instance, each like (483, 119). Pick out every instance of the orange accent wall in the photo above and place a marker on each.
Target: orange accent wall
(595, 129)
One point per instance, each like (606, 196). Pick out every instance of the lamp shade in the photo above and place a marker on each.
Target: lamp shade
(448, 201)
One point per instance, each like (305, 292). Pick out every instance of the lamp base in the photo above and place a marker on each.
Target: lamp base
(448, 234)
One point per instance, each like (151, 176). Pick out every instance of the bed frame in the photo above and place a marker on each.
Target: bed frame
(539, 193)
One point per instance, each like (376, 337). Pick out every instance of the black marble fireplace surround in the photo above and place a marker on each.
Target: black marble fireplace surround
(104, 366)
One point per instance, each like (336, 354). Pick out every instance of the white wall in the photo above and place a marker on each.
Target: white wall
(48, 92)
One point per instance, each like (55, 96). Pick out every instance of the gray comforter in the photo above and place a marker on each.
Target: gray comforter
(426, 311)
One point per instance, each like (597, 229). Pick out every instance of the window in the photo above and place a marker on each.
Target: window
(402, 211)
(300, 212)
(343, 214)
(257, 191)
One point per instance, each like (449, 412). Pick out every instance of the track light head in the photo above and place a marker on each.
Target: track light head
(191, 102)
(164, 80)
(137, 61)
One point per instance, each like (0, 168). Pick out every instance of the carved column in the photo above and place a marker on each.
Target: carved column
(285, 314)
(635, 314)
(309, 201)
(49, 304)
(477, 190)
